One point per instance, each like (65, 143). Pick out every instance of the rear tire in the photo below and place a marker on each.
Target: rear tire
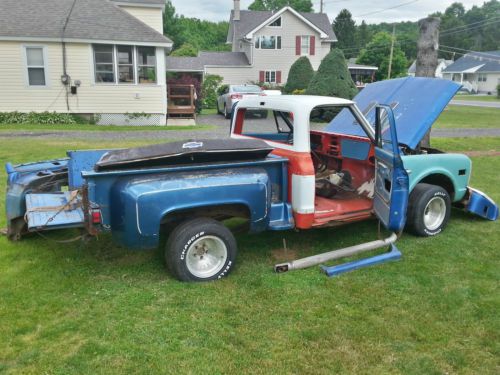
(217, 106)
(200, 250)
(227, 115)
(429, 210)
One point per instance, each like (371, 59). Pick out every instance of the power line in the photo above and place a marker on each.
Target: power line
(445, 33)
(383, 10)
(471, 24)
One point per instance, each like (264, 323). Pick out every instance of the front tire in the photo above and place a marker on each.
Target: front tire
(429, 210)
(200, 250)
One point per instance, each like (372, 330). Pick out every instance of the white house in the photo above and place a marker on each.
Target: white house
(442, 65)
(264, 44)
(102, 58)
(478, 72)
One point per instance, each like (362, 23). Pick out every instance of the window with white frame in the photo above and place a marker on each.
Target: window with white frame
(305, 45)
(146, 64)
(270, 76)
(36, 66)
(268, 42)
(276, 23)
(126, 72)
(482, 77)
(124, 64)
(104, 63)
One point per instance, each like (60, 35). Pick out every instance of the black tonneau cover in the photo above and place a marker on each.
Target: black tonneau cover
(185, 152)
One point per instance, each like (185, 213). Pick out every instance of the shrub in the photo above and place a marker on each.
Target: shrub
(333, 78)
(43, 118)
(209, 91)
(298, 92)
(498, 91)
(300, 75)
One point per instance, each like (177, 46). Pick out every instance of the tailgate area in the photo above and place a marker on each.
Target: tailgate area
(54, 211)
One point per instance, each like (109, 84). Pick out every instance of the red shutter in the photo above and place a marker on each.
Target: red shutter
(278, 77)
(262, 76)
(312, 45)
(297, 45)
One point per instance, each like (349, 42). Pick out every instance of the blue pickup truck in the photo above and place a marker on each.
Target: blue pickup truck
(276, 172)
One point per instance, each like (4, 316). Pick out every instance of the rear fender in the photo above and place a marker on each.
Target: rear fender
(139, 205)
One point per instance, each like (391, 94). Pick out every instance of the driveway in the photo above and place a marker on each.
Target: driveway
(220, 131)
(474, 103)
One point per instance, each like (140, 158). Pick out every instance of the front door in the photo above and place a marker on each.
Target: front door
(391, 180)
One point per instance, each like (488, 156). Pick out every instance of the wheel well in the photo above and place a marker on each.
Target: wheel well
(442, 181)
(219, 212)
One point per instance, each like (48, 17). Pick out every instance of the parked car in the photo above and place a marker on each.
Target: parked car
(232, 94)
(278, 174)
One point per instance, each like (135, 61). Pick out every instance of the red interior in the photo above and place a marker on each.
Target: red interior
(344, 206)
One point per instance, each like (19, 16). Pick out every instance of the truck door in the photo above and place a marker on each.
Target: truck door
(391, 180)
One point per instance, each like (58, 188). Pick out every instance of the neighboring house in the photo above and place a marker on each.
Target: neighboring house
(264, 46)
(100, 58)
(361, 74)
(478, 72)
(442, 64)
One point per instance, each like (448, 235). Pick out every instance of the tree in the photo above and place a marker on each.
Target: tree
(187, 49)
(362, 35)
(345, 30)
(298, 5)
(209, 90)
(333, 78)
(377, 53)
(301, 73)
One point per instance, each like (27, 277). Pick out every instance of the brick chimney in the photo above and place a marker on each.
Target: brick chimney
(236, 16)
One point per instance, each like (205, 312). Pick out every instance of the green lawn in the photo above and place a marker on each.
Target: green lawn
(99, 309)
(86, 127)
(468, 117)
(478, 98)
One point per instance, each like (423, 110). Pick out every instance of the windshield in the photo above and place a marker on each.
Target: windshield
(249, 88)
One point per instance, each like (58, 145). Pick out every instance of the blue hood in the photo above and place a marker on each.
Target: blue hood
(417, 103)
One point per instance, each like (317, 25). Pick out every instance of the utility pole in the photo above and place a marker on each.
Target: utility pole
(389, 70)
(427, 55)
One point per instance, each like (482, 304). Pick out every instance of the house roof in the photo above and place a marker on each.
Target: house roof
(476, 62)
(351, 65)
(249, 20)
(99, 20)
(413, 66)
(142, 2)
(198, 63)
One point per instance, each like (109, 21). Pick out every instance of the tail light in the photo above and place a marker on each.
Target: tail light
(96, 216)
(236, 96)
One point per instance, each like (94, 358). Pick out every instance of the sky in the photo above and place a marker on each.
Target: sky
(218, 10)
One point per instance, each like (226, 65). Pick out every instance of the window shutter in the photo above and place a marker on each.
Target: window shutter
(297, 45)
(312, 45)
(278, 76)
(262, 76)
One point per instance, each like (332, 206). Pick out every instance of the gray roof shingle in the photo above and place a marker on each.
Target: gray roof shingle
(249, 20)
(90, 19)
(489, 62)
(146, 2)
(198, 63)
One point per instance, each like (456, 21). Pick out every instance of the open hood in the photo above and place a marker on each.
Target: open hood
(417, 103)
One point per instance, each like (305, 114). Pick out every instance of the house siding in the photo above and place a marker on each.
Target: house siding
(280, 59)
(153, 17)
(16, 95)
(492, 80)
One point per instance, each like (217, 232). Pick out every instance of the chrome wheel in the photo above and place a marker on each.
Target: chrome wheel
(434, 213)
(206, 256)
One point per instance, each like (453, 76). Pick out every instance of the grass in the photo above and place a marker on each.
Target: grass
(478, 98)
(468, 117)
(97, 308)
(86, 127)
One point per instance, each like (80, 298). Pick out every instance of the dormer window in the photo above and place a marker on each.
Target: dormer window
(276, 23)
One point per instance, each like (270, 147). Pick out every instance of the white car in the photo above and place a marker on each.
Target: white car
(232, 94)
